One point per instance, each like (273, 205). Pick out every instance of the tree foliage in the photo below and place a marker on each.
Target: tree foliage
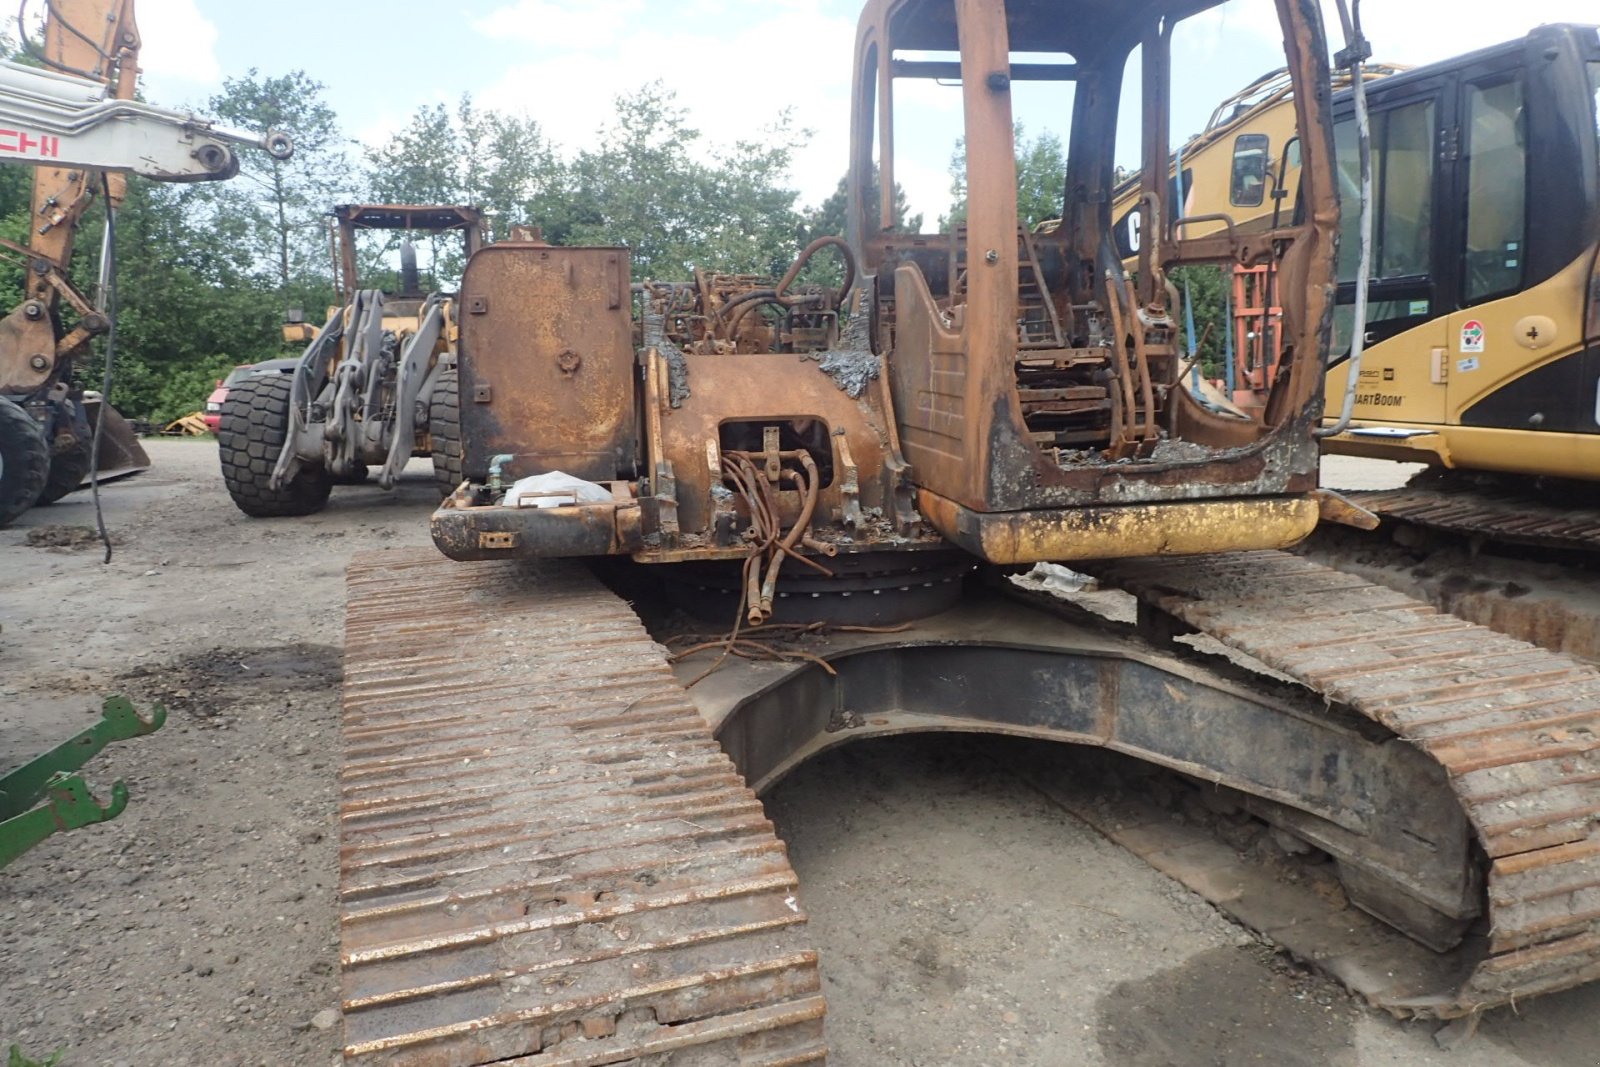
(273, 212)
(651, 183)
(1041, 179)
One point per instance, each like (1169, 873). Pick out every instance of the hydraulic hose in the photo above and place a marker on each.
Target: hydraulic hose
(1355, 51)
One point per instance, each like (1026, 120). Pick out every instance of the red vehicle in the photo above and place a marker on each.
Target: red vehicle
(213, 411)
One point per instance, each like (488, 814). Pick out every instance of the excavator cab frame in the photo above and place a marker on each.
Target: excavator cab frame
(1034, 378)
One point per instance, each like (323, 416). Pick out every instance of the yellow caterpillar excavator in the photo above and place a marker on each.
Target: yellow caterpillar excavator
(552, 849)
(1482, 328)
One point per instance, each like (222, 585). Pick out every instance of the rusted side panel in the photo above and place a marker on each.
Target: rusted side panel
(546, 361)
(545, 857)
(775, 389)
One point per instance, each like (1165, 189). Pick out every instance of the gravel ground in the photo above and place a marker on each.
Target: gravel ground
(962, 917)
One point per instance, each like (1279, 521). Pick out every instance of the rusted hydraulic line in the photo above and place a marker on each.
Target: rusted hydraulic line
(546, 859)
(1516, 728)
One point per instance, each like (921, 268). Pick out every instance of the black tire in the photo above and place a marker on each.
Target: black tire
(444, 429)
(68, 469)
(255, 420)
(24, 461)
(358, 476)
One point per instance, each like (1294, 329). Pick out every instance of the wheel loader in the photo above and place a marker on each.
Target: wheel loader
(376, 385)
(707, 529)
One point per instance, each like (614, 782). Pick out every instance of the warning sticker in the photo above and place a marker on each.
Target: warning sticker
(1472, 336)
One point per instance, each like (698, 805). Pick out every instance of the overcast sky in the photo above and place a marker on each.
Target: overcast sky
(734, 65)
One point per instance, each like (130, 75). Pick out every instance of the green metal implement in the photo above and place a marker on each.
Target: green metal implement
(51, 778)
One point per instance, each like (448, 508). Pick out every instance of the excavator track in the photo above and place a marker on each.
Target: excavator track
(546, 859)
(1516, 727)
(1498, 515)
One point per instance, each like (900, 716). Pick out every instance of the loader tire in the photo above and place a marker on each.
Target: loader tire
(444, 427)
(255, 421)
(24, 461)
(68, 469)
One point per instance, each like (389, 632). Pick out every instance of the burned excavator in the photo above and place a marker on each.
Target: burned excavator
(712, 528)
(74, 119)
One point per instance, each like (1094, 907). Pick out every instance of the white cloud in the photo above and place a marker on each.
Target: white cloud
(179, 47)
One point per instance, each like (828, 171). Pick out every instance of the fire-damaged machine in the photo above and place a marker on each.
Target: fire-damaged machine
(552, 851)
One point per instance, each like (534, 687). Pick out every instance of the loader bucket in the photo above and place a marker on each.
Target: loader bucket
(121, 455)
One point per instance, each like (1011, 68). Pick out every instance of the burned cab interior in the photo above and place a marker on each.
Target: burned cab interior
(1028, 368)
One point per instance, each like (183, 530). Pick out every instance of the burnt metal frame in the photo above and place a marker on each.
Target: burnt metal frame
(1383, 809)
(428, 218)
(998, 468)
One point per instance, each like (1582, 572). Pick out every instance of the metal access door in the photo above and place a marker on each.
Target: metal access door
(547, 362)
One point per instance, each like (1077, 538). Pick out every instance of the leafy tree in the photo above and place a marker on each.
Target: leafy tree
(279, 206)
(1041, 179)
(500, 163)
(180, 325)
(1202, 286)
(832, 215)
(651, 184)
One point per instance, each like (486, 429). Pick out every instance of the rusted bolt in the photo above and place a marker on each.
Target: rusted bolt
(991, 256)
(998, 81)
(33, 309)
(38, 362)
(569, 362)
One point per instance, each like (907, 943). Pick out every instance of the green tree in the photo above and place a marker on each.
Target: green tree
(832, 215)
(1202, 286)
(652, 184)
(467, 155)
(1041, 179)
(278, 207)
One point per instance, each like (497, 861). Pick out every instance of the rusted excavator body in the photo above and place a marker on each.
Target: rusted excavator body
(1013, 394)
(824, 456)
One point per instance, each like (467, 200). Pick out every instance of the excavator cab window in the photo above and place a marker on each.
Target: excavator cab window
(1496, 203)
(1249, 184)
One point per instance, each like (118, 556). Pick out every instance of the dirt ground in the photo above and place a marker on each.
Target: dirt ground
(962, 917)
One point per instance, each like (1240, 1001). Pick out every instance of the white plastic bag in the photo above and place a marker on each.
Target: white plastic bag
(554, 490)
